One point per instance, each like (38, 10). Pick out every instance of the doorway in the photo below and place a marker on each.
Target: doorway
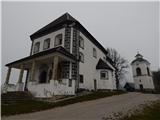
(95, 84)
(141, 87)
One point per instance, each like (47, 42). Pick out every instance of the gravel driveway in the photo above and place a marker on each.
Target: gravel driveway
(91, 110)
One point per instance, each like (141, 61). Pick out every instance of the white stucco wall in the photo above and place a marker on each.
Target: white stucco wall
(144, 79)
(88, 68)
(52, 88)
(52, 37)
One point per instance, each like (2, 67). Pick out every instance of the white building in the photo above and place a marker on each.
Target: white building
(141, 73)
(64, 57)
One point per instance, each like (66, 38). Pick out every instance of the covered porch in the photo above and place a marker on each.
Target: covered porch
(49, 73)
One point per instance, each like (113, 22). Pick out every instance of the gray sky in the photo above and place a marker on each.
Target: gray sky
(126, 26)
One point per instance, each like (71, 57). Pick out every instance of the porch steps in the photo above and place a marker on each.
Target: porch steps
(15, 97)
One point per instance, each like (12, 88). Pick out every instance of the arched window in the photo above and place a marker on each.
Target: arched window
(148, 71)
(81, 57)
(81, 42)
(94, 53)
(58, 40)
(46, 43)
(138, 70)
(36, 47)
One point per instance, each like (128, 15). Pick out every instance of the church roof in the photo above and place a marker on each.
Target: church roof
(46, 52)
(103, 65)
(139, 58)
(59, 23)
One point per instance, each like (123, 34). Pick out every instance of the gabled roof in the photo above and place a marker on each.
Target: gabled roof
(65, 17)
(103, 65)
(59, 23)
(46, 52)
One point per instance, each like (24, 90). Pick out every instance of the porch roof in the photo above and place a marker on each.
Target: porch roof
(59, 49)
(103, 65)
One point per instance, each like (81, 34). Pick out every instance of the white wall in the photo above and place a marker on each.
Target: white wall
(88, 68)
(145, 80)
(52, 88)
(52, 37)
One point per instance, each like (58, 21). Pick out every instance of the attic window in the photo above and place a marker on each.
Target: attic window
(46, 44)
(36, 47)
(58, 40)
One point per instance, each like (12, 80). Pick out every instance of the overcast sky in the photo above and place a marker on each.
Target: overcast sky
(126, 26)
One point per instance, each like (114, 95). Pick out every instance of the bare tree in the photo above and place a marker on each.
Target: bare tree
(119, 63)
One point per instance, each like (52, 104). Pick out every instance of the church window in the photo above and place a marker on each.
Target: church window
(58, 40)
(104, 75)
(81, 42)
(81, 78)
(36, 47)
(148, 72)
(46, 44)
(94, 53)
(138, 70)
(81, 57)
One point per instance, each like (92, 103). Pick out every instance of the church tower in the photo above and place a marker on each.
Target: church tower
(141, 73)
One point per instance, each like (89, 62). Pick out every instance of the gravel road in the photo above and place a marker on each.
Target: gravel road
(91, 110)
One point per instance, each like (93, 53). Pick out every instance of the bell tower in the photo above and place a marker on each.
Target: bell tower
(141, 73)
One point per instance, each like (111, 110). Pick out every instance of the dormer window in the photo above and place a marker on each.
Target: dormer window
(94, 53)
(46, 44)
(36, 47)
(81, 42)
(58, 40)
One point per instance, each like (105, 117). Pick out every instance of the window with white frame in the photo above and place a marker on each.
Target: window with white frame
(104, 75)
(36, 47)
(94, 53)
(81, 42)
(46, 44)
(81, 57)
(58, 40)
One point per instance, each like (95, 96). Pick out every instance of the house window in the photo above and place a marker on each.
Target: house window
(36, 47)
(58, 40)
(104, 75)
(94, 53)
(81, 42)
(81, 78)
(81, 57)
(138, 70)
(70, 83)
(46, 44)
(148, 71)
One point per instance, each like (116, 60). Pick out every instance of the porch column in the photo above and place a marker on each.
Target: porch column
(55, 67)
(8, 75)
(32, 71)
(21, 74)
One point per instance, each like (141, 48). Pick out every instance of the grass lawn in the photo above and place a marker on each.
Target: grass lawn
(150, 112)
(33, 105)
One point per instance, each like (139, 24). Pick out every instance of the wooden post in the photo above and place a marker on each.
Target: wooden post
(21, 74)
(32, 71)
(55, 67)
(8, 75)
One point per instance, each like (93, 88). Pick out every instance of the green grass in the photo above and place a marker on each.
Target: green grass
(33, 105)
(150, 112)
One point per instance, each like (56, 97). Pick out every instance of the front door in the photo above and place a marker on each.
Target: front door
(141, 87)
(95, 84)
